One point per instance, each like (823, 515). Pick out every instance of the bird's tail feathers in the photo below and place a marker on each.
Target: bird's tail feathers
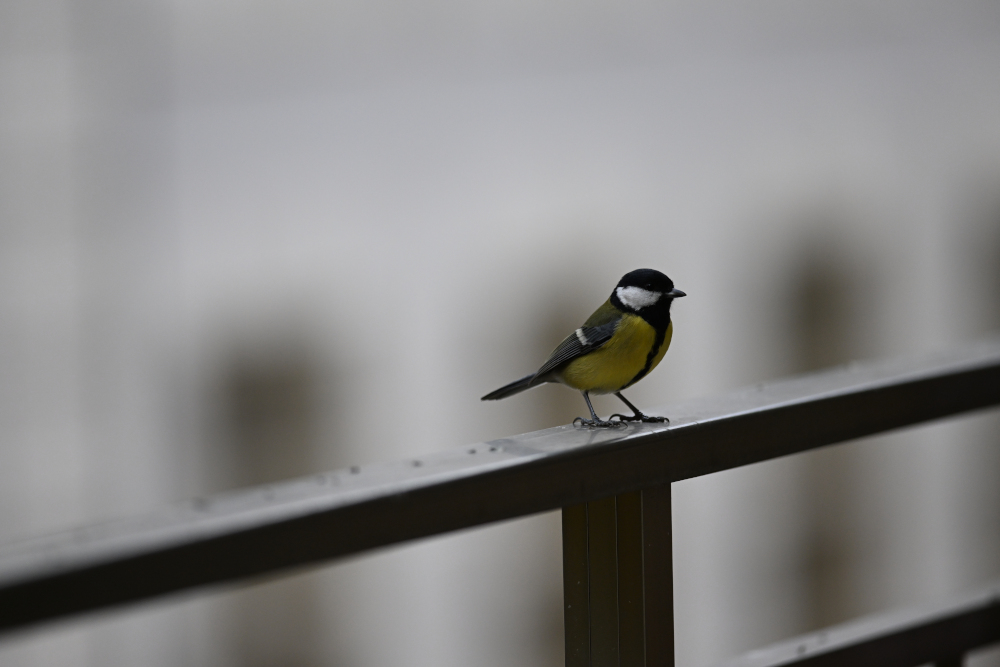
(515, 387)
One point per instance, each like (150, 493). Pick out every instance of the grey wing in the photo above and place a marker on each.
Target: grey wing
(580, 342)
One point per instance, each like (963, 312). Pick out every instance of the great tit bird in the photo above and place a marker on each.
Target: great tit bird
(615, 348)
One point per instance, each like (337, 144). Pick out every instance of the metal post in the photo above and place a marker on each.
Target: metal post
(576, 585)
(658, 576)
(952, 661)
(618, 581)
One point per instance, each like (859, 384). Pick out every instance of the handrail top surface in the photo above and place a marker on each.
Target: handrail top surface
(246, 508)
(274, 527)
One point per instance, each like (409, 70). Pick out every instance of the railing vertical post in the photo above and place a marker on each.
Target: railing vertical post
(951, 661)
(658, 576)
(602, 546)
(632, 651)
(618, 581)
(576, 585)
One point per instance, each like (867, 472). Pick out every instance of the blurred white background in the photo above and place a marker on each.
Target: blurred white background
(243, 241)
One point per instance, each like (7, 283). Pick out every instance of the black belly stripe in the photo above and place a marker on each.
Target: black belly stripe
(660, 335)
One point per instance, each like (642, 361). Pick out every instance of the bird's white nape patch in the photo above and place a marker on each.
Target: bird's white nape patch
(637, 297)
(580, 336)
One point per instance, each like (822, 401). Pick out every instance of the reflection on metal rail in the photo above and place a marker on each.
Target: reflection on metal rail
(613, 483)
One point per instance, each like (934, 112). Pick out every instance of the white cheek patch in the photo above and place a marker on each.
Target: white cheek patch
(637, 297)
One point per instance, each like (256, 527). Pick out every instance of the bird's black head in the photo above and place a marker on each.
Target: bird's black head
(646, 292)
(647, 279)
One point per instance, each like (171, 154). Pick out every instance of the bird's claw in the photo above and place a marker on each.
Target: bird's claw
(639, 417)
(598, 423)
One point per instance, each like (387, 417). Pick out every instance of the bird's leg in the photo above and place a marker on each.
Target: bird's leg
(594, 420)
(638, 416)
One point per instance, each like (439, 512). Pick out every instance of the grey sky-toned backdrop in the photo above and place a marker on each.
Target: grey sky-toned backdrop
(242, 241)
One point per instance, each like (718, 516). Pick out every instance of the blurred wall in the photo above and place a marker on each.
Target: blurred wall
(240, 242)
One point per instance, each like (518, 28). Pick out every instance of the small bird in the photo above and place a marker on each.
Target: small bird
(615, 348)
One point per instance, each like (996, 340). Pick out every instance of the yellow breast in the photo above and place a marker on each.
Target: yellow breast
(615, 365)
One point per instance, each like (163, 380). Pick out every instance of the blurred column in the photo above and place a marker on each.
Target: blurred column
(991, 304)
(827, 330)
(981, 261)
(271, 402)
(986, 565)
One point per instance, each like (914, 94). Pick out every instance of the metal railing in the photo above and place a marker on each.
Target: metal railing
(613, 486)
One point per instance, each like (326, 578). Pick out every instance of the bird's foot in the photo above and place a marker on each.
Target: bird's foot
(597, 423)
(640, 417)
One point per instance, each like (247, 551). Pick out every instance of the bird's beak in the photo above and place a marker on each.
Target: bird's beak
(676, 294)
